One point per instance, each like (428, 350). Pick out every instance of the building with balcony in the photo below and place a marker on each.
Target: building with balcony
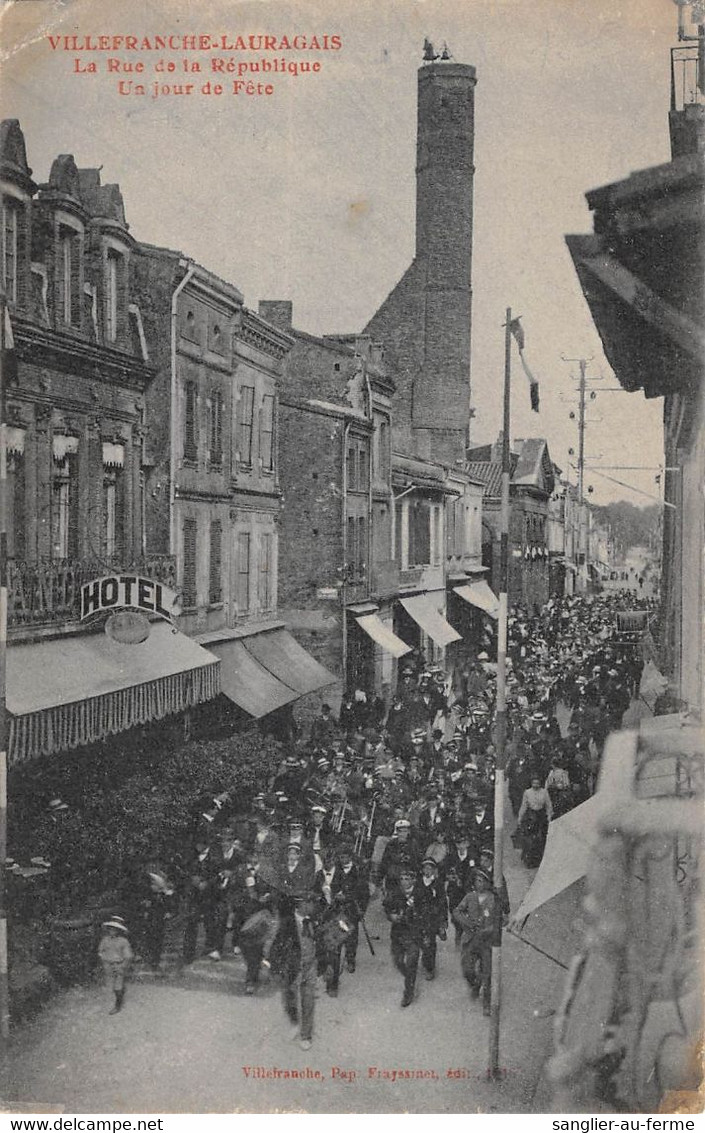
(75, 410)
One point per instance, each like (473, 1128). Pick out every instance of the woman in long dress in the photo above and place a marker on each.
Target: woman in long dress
(535, 813)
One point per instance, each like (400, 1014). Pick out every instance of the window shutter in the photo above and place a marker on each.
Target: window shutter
(266, 426)
(243, 572)
(361, 547)
(190, 424)
(216, 429)
(73, 507)
(189, 564)
(264, 570)
(215, 585)
(120, 540)
(17, 544)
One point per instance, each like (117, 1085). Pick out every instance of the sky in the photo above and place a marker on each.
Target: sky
(308, 193)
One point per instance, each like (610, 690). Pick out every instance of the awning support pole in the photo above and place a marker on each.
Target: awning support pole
(501, 710)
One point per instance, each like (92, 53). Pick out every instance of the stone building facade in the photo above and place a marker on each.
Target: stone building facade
(76, 405)
(213, 480)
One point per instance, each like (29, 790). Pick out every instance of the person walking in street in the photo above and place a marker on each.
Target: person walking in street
(535, 813)
(115, 955)
(296, 963)
(477, 915)
(406, 918)
(433, 907)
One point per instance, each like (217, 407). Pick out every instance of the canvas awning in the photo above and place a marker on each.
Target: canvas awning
(288, 661)
(247, 683)
(65, 693)
(425, 613)
(479, 594)
(571, 840)
(264, 671)
(375, 628)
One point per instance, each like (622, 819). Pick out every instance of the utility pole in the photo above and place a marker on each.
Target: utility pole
(501, 707)
(582, 564)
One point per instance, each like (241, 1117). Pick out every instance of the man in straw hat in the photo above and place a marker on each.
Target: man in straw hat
(115, 955)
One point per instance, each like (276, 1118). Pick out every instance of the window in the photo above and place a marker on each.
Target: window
(215, 585)
(215, 429)
(68, 276)
(243, 572)
(188, 582)
(419, 533)
(436, 528)
(357, 548)
(191, 423)
(380, 455)
(265, 571)
(266, 433)
(64, 505)
(351, 563)
(363, 472)
(16, 533)
(111, 297)
(113, 512)
(356, 465)
(361, 547)
(10, 233)
(244, 440)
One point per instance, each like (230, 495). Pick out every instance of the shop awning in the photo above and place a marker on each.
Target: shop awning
(247, 683)
(288, 661)
(424, 612)
(571, 840)
(65, 693)
(375, 628)
(479, 594)
(264, 671)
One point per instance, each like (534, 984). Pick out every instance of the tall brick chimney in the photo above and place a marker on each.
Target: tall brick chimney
(444, 217)
(424, 323)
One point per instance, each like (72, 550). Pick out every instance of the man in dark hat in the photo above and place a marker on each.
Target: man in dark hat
(432, 815)
(478, 915)
(296, 961)
(487, 866)
(459, 864)
(323, 728)
(407, 921)
(397, 725)
(433, 906)
(401, 851)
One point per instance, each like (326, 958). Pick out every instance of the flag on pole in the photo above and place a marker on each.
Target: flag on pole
(518, 332)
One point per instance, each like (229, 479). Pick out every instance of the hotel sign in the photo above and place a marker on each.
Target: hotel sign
(128, 591)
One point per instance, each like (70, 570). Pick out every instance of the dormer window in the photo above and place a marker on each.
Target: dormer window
(10, 242)
(66, 257)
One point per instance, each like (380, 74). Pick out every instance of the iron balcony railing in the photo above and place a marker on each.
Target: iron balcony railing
(48, 592)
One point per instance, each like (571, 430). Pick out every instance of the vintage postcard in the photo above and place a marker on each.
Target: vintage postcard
(351, 556)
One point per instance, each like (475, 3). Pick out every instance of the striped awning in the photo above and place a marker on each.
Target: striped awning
(73, 691)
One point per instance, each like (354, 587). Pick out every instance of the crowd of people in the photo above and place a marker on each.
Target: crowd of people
(394, 804)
